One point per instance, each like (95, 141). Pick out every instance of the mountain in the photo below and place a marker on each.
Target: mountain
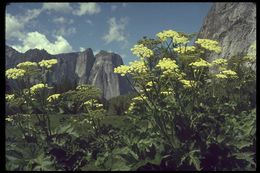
(103, 77)
(233, 25)
(76, 68)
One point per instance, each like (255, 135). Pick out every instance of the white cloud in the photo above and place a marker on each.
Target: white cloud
(58, 7)
(113, 7)
(124, 4)
(89, 22)
(116, 30)
(13, 26)
(123, 56)
(81, 49)
(30, 14)
(64, 31)
(16, 24)
(37, 40)
(87, 8)
(96, 52)
(62, 20)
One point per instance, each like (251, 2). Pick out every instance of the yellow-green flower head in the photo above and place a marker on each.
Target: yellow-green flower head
(221, 76)
(211, 45)
(88, 103)
(183, 50)
(99, 105)
(82, 87)
(131, 107)
(168, 66)
(138, 67)
(149, 84)
(188, 83)
(141, 51)
(229, 73)
(38, 87)
(122, 69)
(91, 102)
(27, 65)
(251, 55)
(48, 63)
(53, 97)
(164, 35)
(200, 63)
(167, 92)
(177, 38)
(180, 39)
(220, 61)
(9, 119)
(9, 97)
(14, 73)
(139, 98)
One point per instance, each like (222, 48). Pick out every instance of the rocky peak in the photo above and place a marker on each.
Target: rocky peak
(233, 25)
(102, 75)
(77, 68)
(36, 55)
(84, 65)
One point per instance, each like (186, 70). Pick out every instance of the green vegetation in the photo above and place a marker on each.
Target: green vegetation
(187, 114)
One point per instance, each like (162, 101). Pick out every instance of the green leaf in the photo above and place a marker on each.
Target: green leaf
(117, 163)
(195, 161)
(242, 144)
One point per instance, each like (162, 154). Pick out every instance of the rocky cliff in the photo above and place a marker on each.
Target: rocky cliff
(103, 77)
(76, 68)
(233, 25)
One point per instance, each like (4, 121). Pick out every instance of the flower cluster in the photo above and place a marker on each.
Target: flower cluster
(38, 87)
(9, 119)
(141, 51)
(164, 35)
(93, 102)
(220, 61)
(211, 45)
(251, 56)
(230, 73)
(82, 87)
(48, 63)
(149, 84)
(168, 66)
(200, 63)
(167, 92)
(136, 67)
(131, 107)
(14, 73)
(123, 70)
(186, 49)
(53, 97)
(139, 98)
(9, 97)
(27, 65)
(188, 83)
(227, 74)
(178, 38)
(221, 76)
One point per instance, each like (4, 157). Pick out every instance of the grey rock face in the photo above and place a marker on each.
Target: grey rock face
(233, 25)
(63, 75)
(103, 77)
(12, 57)
(84, 65)
(76, 68)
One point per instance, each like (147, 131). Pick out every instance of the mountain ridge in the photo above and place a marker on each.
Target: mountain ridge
(76, 68)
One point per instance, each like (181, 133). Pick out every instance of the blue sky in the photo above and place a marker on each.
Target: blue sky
(116, 27)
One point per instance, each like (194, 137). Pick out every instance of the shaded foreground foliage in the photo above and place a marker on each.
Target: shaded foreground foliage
(187, 114)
